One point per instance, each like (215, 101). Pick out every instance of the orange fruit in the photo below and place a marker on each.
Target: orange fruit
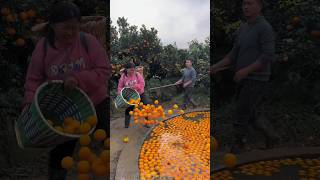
(85, 140)
(100, 135)
(31, 13)
(83, 167)
(20, 42)
(23, 16)
(83, 177)
(67, 162)
(92, 120)
(11, 18)
(156, 102)
(11, 31)
(107, 143)
(93, 157)
(170, 112)
(296, 20)
(75, 124)
(126, 139)
(84, 128)
(230, 160)
(5, 11)
(84, 153)
(58, 128)
(105, 156)
(69, 129)
(315, 33)
(99, 169)
(131, 112)
(68, 121)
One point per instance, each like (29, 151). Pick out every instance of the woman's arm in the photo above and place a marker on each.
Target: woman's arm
(121, 83)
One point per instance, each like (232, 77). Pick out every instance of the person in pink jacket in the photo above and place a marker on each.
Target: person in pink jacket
(79, 60)
(131, 78)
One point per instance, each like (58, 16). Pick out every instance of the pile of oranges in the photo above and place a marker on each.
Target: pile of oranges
(72, 126)
(180, 150)
(90, 162)
(151, 114)
(309, 168)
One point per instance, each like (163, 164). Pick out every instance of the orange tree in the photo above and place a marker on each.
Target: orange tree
(164, 62)
(17, 41)
(17, 18)
(297, 29)
(293, 100)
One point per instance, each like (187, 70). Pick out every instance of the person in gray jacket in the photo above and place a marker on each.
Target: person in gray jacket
(188, 81)
(251, 56)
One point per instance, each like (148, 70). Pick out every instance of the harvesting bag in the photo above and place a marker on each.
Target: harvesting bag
(94, 25)
(51, 102)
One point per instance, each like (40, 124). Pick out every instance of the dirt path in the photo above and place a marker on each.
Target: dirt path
(124, 152)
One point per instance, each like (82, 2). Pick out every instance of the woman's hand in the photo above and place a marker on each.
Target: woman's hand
(70, 83)
(25, 107)
(240, 75)
(136, 87)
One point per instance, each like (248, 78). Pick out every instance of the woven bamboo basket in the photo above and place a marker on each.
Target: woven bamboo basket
(51, 102)
(122, 100)
(95, 25)
(139, 69)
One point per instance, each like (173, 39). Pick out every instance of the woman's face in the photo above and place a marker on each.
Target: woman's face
(131, 71)
(67, 31)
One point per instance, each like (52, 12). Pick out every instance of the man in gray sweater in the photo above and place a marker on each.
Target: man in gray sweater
(252, 54)
(188, 81)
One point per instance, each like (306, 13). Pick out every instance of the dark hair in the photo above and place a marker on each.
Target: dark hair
(127, 66)
(60, 12)
(189, 60)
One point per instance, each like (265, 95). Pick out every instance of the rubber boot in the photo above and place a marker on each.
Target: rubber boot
(238, 146)
(126, 121)
(271, 137)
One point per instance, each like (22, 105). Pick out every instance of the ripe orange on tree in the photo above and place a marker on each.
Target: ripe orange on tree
(10, 18)
(23, 16)
(11, 31)
(20, 42)
(31, 13)
(5, 11)
(296, 20)
(315, 33)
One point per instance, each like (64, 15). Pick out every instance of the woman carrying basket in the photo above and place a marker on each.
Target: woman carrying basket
(132, 79)
(79, 60)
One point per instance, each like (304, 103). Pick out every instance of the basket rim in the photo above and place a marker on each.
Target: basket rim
(44, 119)
(124, 98)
